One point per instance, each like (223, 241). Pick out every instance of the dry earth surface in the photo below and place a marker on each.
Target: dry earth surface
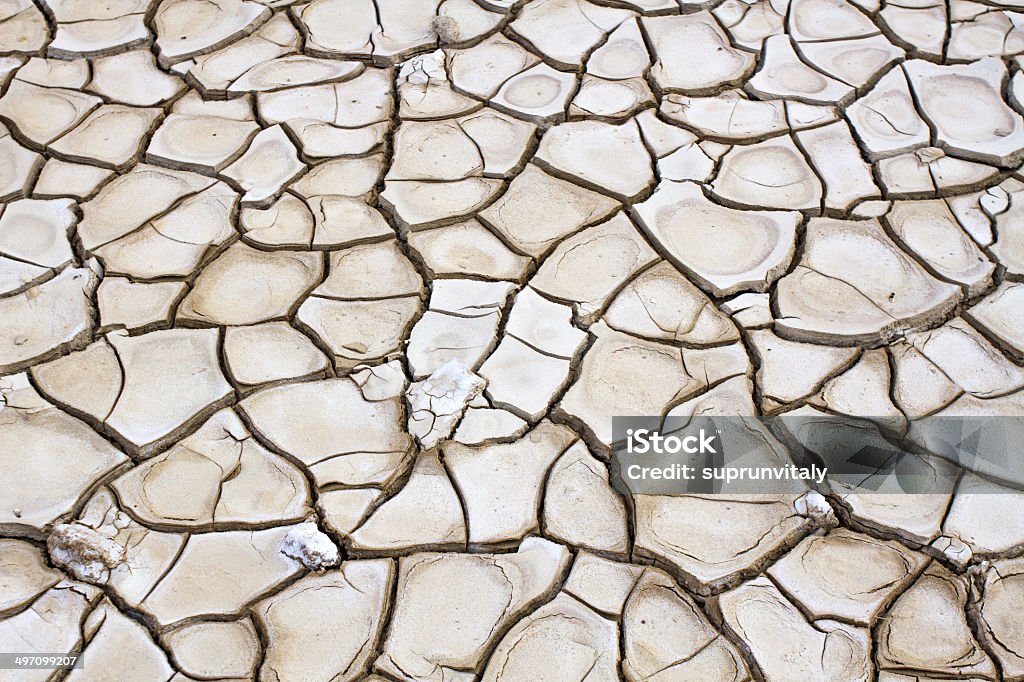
(313, 316)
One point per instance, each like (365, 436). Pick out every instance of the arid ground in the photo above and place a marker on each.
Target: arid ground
(314, 317)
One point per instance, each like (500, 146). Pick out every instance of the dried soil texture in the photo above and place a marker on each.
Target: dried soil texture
(314, 316)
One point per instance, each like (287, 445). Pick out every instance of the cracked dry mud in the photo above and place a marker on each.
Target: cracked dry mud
(314, 316)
